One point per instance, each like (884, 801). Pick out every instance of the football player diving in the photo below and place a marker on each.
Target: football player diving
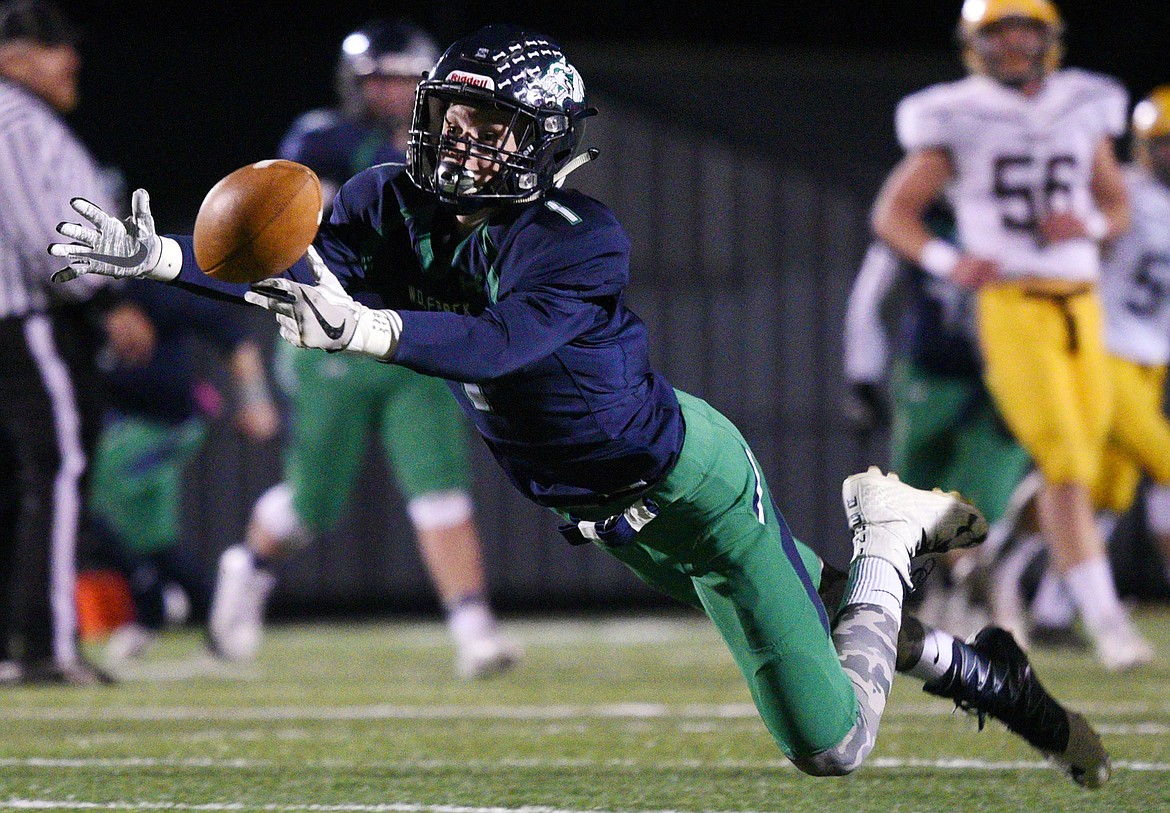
(473, 264)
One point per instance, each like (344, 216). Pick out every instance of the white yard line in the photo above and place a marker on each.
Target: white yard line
(534, 763)
(614, 711)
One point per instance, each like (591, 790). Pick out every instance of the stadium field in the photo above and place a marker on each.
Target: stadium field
(636, 715)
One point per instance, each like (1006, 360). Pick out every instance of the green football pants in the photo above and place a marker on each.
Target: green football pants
(719, 544)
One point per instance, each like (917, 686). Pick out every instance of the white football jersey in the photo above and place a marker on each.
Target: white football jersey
(1135, 278)
(1017, 159)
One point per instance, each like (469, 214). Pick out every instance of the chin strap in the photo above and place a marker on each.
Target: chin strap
(574, 165)
(559, 179)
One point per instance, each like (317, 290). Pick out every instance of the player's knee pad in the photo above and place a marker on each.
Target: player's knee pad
(1158, 509)
(439, 509)
(275, 514)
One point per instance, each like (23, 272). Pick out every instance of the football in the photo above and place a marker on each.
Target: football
(257, 221)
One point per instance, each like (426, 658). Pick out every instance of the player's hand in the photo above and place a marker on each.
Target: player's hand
(324, 316)
(113, 248)
(1061, 226)
(308, 315)
(974, 272)
(866, 406)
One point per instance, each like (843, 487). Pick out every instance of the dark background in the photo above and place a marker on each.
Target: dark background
(177, 95)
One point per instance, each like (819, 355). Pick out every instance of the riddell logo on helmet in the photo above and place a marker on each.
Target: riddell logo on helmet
(473, 79)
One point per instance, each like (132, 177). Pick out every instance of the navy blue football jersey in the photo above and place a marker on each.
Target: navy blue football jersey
(336, 147)
(525, 318)
(938, 326)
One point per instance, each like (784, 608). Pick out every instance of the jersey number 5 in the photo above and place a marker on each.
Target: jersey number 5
(1150, 282)
(1022, 202)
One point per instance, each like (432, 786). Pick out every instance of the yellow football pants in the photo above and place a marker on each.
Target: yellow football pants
(1046, 368)
(1139, 437)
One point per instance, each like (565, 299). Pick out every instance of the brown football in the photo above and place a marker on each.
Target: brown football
(258, 221)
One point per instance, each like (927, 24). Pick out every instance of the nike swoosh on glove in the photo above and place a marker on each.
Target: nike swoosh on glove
(112, 248)
(324, 316)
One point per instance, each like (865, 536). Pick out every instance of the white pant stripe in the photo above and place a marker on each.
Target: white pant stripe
(758, 500)
(66, 487)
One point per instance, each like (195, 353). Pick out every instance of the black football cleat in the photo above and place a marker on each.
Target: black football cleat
(991, 677)
(49, 673)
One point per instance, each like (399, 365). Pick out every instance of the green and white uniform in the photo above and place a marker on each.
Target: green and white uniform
(339, 400)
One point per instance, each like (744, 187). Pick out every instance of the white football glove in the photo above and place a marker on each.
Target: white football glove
(116, 248)
(324, 316)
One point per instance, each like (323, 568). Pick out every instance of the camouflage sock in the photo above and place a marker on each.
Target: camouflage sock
(866, 637)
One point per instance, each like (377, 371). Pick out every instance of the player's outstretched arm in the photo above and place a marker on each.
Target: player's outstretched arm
(917, 181)
(1110, 192)
(116, 248)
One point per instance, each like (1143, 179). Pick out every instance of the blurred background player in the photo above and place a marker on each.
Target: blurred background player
(1135, 292)
(338, 400)
(1025, 153)
(49, 393)
(945, 429)
(156, 424)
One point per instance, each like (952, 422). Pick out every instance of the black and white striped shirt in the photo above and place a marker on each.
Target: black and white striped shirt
(42, 166)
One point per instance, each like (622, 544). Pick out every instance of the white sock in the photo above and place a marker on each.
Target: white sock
(1092, 588)
(470, 620)
(938, 650)
(874, 581)
(1053, 605)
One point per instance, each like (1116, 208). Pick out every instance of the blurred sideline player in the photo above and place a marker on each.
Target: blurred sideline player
(945, 428)
(1025, 154)
(155, 425)
(1135, 292)
(338, 400)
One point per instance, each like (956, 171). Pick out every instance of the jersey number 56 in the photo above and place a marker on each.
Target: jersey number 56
(1022, 202)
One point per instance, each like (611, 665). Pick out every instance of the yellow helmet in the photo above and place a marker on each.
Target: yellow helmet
(1151, 119)
(976, 15)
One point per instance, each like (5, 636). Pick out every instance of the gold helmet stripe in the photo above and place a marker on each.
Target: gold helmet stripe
(1150, 120)
(1151, 116)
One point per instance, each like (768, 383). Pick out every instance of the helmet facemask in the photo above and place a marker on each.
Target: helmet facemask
(992, 34)
(1158, 150)
(996, 46)
(474, 149)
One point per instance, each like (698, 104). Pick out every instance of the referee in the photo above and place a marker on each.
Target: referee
(48, 383)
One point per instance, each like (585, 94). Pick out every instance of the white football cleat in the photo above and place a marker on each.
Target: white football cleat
(1120, 647)
(236, 623)
(896, 522)
(129, 641)
(485, 656)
